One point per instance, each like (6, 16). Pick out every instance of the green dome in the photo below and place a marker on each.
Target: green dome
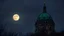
(44, 16)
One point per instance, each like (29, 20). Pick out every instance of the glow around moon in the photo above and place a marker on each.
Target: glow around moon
(16, 17)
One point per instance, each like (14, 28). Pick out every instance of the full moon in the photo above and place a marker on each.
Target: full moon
(16, 17)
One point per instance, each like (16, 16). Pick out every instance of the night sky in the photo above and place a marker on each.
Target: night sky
(29, 11)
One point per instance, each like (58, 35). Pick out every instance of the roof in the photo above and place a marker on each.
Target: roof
(44, 16)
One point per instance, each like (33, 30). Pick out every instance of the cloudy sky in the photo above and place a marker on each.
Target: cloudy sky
(29, 11)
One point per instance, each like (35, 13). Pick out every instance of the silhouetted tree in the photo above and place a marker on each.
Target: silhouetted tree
(29, 34)
(2, 29)
(12, 34)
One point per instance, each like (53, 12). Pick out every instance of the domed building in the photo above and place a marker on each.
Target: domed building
(44, 25)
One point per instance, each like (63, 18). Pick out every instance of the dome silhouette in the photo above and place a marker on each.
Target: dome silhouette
(44, 16)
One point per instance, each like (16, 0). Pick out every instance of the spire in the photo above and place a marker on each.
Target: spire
(44, 8)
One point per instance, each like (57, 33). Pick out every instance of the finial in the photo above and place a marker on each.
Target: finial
(44, 8)
(44, 1)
